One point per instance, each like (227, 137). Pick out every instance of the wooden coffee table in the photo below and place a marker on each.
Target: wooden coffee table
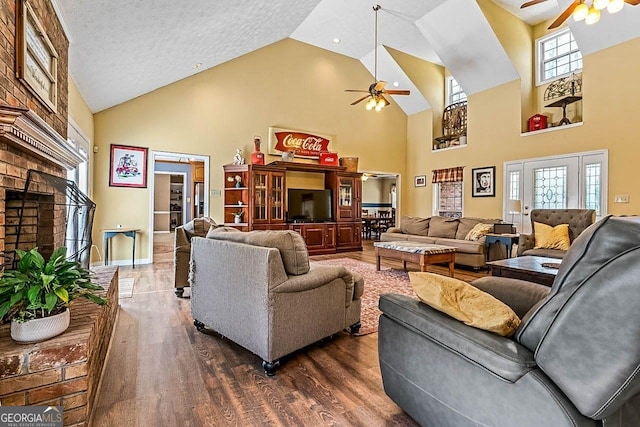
(528, 268)
(418, 253)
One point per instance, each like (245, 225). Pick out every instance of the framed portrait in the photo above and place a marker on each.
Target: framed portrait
(420, 181)
(483, 182)
(128, 166)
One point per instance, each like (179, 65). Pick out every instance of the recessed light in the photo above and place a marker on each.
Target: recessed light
(198, 65)
(396, 84)
(336, 40)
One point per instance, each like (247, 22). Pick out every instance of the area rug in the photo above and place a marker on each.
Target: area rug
(125, 287)
(376, 283)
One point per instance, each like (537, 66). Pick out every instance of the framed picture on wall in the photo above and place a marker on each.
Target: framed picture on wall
(483, 182)
(128, 166)
(420, 181)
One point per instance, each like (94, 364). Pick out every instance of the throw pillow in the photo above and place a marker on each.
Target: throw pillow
(440, 226)
(414, 225)
(548, 237)
(464, 302)
(478, 231)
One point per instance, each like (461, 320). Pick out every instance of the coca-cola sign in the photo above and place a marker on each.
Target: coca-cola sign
(303, 144)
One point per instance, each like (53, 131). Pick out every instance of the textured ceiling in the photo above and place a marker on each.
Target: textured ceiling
(121, 49)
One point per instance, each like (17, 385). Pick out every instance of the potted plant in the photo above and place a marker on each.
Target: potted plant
(35, 297)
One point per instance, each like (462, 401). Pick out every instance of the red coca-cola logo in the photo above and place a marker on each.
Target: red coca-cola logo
(303, 144)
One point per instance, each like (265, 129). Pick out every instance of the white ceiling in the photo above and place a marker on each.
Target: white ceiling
(121, 49)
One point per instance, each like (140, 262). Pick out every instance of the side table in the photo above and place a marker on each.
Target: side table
(506, 239)
(111, 232)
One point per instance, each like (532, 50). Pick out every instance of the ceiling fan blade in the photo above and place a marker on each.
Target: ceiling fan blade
(356, 90)
(380, 85)
(397, 92)
(360, 100)
(632, 2)
(567, 13)
(531, 3)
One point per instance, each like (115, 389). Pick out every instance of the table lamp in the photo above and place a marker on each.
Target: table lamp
(514, 207)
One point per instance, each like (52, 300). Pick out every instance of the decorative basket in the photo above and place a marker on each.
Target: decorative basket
(351, 163)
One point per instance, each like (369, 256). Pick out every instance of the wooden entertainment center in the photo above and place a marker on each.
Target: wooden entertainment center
(257, 195)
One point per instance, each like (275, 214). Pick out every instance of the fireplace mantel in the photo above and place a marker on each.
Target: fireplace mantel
(24, 129)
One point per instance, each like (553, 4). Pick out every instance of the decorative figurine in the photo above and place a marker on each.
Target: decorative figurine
(238, 159)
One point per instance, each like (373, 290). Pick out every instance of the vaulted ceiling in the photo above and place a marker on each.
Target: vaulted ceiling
(121, 49)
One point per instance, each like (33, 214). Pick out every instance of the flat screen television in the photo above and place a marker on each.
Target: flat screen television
(309, 205)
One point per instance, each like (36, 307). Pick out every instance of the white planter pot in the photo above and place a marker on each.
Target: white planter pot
(40, 329)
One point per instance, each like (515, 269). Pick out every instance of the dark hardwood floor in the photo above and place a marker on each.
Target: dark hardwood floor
(162, 372)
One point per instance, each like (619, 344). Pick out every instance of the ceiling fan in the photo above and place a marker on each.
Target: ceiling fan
(377, 90)
(580, 10)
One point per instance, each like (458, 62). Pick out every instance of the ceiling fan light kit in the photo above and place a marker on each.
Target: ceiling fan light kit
(581, 11)
(377, 101)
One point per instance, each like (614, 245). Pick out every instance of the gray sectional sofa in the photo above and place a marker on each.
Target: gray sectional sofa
(443, 231)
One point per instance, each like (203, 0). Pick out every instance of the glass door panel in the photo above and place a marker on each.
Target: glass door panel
(277, 192)
(346, 192)
(260, 197)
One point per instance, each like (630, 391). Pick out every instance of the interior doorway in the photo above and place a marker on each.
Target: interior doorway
(178, 193)
(380, 202)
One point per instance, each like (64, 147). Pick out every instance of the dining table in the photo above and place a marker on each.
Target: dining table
(369, 222)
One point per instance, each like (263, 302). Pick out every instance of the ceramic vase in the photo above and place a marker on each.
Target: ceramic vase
(37, 330)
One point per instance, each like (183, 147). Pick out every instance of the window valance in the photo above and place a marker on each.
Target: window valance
(447, 175)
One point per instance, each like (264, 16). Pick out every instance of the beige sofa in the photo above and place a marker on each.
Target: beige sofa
(259, 290)
(444, 231)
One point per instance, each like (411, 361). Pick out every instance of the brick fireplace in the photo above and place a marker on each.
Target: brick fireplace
(27, 142)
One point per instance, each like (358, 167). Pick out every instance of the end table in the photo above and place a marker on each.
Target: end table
(506, 239)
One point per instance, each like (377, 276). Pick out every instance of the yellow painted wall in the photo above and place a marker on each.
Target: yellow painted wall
(494, 134)
(83, 117)
(516, 38)
(79, 110)
(286, 84)
(220, 109)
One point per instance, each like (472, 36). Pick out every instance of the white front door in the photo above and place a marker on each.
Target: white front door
(550, 184)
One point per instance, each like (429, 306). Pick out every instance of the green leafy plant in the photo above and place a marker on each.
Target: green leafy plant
(39, 289)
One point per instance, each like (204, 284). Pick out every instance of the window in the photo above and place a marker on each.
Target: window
(447, 192)
(592, 187)
(550, 188)
(514, 185)
(557, 55)
(78, 142)
(454, 91)
(450, 199)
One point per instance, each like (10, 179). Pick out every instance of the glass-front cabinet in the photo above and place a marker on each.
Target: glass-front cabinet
(348, 203)
(268, 197)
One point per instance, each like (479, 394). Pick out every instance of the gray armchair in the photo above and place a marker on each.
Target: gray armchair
(578, 220)
(182, 250)
(259, 290)
(574, 360)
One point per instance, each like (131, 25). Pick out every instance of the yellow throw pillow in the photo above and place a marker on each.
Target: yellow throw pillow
(478, 230)
(548, 237)
(464, 302)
